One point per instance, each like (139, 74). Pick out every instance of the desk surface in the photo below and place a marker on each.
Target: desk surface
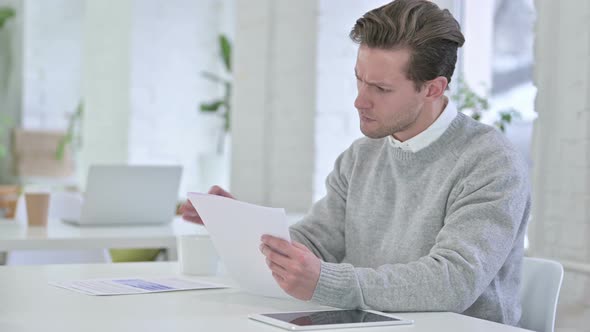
(28, 303)
(62, 236)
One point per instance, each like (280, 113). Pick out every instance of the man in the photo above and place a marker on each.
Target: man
(426, 213)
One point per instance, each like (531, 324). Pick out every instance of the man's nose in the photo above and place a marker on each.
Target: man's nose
(362, 101)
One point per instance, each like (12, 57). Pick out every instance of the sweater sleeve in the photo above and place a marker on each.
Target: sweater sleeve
(480, 230)
(322, 230)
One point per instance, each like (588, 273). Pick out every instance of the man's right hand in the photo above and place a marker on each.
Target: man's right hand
(189, 213)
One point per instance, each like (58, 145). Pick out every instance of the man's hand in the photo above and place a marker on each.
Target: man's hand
(189, 212)
(295, 268)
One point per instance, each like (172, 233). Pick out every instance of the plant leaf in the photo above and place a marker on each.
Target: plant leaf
(5, 123)
(68, 138)
(225, 47)
(226, 123)
(211, 107)
(61, 146)
(5, 14)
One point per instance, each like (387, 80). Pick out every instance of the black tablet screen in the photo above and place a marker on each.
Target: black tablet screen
(330, 317)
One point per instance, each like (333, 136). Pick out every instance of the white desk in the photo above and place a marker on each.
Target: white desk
(62, 236)
(28, 303)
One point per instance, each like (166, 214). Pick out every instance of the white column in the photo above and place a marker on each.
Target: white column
(274, 102)
(478, 29)
(52, 62)
(560, 227)
(173, 42)
(106, 82)
(11, 72)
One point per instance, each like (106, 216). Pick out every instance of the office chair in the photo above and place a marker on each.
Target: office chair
(541, 282)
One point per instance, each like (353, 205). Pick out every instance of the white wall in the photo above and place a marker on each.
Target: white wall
(275, 75)
(337, 124)
(105, 83)
(52, 62)
(478, 28)
(172, 43)
(560, 228)
(141, 72)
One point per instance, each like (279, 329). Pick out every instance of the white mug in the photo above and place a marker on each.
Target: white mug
(197, 255)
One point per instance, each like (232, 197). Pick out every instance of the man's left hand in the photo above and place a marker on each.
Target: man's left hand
(295, 268)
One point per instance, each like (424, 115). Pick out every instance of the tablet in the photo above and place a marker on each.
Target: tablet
(328, 319)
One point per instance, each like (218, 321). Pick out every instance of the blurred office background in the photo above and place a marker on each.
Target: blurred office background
(138, 82)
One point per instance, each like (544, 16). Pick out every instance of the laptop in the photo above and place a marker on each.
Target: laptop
(130, 195)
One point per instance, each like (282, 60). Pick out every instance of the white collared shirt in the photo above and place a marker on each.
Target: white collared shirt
(431, 134)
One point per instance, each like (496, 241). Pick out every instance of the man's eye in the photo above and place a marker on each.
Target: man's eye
(380, 89)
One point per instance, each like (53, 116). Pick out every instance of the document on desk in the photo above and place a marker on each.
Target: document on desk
(235, 228)
(125, 286)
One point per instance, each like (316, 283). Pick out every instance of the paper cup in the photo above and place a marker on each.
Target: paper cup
(37, 208)
(197, 255)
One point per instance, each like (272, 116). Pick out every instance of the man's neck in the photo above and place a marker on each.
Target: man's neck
(429, 114)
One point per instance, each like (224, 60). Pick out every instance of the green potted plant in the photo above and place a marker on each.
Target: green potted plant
(72, 136)
(8, 193)
(6, 13)
(221, 105)
(4, 121)
(214, 167)
(470, 102)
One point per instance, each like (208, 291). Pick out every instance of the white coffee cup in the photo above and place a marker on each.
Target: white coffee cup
(197, 255)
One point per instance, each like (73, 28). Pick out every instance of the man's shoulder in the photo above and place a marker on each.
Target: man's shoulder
(480, 145)
(474, 136)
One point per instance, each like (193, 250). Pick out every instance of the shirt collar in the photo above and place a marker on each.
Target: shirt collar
(431, 134)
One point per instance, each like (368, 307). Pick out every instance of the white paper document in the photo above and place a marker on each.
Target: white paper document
(124, 286)
(235, 228)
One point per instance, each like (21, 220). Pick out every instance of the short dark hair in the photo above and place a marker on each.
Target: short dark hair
(432, 35)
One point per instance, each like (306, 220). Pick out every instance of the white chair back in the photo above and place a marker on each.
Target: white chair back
(541, 282)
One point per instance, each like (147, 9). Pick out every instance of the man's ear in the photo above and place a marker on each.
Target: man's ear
(436, 87)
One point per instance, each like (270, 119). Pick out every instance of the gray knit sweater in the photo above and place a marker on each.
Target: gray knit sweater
(440, 229)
